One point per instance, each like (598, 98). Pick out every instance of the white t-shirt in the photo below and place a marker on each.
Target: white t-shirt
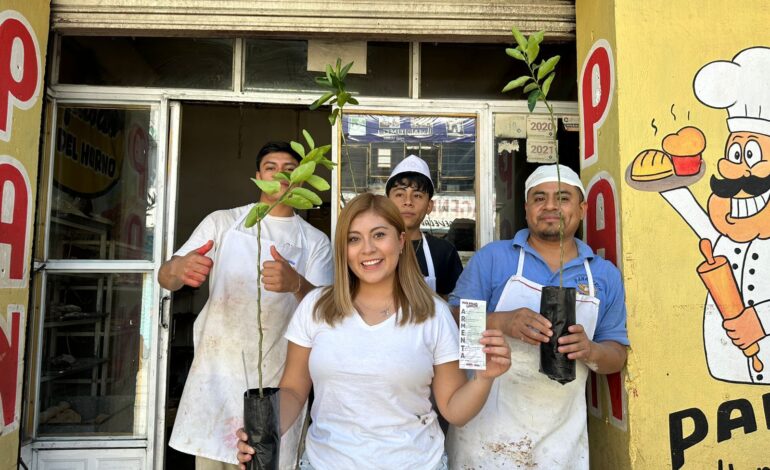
(372, 387)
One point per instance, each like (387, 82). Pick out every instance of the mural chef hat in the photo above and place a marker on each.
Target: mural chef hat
(547, 174)
(740, 86)
(411, 164)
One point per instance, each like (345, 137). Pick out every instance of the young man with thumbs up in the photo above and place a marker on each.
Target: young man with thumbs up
(296, 258)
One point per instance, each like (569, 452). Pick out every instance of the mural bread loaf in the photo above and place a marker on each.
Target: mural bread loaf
(651, 165)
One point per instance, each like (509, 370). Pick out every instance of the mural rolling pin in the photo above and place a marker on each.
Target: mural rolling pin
(718, 277)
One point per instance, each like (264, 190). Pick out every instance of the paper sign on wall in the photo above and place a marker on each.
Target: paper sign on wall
(511, 126)
(571, 123)
(542, 150)
(539, 126)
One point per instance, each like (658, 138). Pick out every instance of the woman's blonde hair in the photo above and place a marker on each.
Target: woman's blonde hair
(410, 291)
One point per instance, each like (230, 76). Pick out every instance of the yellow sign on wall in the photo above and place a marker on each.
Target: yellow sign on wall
(89, 150)
(687, 141)
(23, 36)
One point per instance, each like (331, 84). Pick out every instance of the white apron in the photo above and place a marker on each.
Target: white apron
(725, 360)
(211, 408)
(529, 421)
(430, 279)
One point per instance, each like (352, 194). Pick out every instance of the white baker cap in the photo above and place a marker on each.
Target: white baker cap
(740, 86)
(411, 164)
(547, 174)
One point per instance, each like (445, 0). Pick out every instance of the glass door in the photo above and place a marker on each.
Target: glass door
(94, 374)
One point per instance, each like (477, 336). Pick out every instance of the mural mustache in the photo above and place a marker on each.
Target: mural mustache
(753, 185)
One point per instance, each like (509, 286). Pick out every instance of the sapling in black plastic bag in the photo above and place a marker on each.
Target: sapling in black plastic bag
(557, 304)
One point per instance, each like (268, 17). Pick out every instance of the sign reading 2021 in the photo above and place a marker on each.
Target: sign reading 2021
(734, 232)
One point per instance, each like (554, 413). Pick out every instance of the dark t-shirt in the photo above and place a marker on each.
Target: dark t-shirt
(446, 262)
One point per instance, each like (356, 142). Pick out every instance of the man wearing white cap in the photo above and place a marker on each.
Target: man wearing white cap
(529, 420)
(737, 224)
(410, 187)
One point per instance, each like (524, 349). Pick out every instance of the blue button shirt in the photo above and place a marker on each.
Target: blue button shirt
(490, 268)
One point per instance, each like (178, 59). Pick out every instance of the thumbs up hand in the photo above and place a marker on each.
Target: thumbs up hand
(194, 267)
(279, 276)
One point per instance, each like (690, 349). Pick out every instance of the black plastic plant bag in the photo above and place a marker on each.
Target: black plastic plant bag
(558, 306)
(261, 421)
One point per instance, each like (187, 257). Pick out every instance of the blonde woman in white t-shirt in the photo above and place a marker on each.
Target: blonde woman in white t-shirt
(372, 346)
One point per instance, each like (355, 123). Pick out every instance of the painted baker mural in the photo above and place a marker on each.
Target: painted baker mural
(734, 231)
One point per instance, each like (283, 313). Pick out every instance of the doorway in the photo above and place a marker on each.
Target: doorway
(218, 144)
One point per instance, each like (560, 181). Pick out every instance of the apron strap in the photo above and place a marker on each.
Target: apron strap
(520, 268)
(428, 257)
(591, 292)
(240, 219)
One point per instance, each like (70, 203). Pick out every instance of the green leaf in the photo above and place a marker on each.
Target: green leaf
(547, 84)
(262, 208)
(257, 213)
(297, 202)
(532, 99)
(329, 73)
(251, 218)
(307, 194)
(297, 147)
(318, 183)
(547, 66)
(533, 49)
(344, 71)
(352, 100)
(324, 149)
(537, 38)
(333, 116)
(513, 84)
(323, 81)
(336, 83)
(520, 39)
(328, 164)
(515, 53)
(323, 99)
(312, 156)
(268, 187)
(309, 139)
(342, 99)
(281, 176)
(529, 87)
(302, 172)
(339, 65)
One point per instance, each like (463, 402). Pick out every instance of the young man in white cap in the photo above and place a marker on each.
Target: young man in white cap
(411, 188)
(296, 257)
(527, 413)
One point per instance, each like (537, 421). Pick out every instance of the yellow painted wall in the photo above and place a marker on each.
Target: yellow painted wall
(19, 146)
(608, 440)
(658, 47)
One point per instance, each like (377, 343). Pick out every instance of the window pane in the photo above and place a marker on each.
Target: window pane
(147, 62)
(281, 65)
(103, 201)
(458, 167)
(93, 380)
(480, 71)
(447, 144)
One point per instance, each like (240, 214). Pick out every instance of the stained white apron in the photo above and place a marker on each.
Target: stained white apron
(211, 408)
(529, 421)
(430, 279)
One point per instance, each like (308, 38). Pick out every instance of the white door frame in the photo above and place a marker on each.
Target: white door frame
(156, 362)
